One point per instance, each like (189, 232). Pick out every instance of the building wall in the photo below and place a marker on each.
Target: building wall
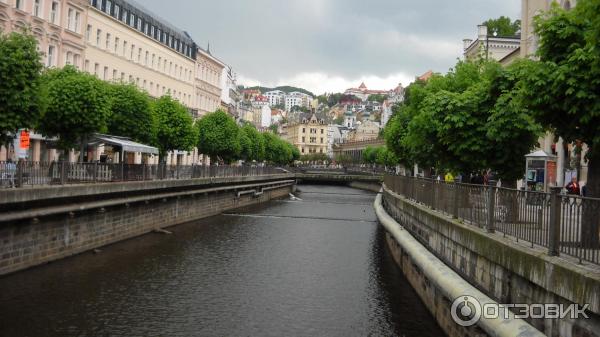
(209, 72)
(117, 52)
(309, 137)
(58, 26)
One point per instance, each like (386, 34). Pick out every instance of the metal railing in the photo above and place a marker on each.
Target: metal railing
(567, 224)
(343, 169)
(25, 173)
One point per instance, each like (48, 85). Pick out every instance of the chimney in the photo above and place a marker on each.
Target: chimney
(482, 32)
(467, 43)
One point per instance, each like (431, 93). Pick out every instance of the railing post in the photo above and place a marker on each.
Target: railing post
(554, 225)
(95, 171)
(20, 164)
(122, 171)
(455, 196)
(491, 207)
(63, 173)
(434, 186)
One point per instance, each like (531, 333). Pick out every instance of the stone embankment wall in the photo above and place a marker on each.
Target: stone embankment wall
(44, 230)
(501, 269)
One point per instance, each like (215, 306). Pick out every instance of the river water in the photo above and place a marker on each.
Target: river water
(316, 267)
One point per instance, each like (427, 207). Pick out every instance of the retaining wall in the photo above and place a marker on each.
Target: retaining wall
(36, 236)
(504, 270)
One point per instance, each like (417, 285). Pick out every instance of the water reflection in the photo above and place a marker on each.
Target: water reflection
(321, 270)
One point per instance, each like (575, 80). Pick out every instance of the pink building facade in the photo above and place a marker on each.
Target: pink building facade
(58, 27)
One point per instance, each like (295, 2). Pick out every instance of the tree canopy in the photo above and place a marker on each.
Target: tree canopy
(131, 114)
(175, 126)
(20, 67)
(563, 87)
(78, 105)
(468, 120)
(503, 26)
(219, 136)
(253, 147)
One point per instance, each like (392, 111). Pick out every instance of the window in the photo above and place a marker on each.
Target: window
(51, 51)
(54, 12)
(87, 65)
(115, 74)
(146, 58)
(132, 50)
(88, 33)
(107, 41)
(105, 74)
(108, 7)
(37, 10)
(69, 58)
(71, 19)
(96, 69)
(77, 22)
(76, 61)
(124, 48)
(139, 56)
(19, 4)
(98, 34)
(117, 11)
(122, 77)
(116, 44)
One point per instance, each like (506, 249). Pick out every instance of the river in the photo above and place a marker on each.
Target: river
(316, 267)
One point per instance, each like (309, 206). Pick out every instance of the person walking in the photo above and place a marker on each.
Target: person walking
(573, 187)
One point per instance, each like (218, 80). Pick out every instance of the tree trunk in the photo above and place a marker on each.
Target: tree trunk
(590, 221)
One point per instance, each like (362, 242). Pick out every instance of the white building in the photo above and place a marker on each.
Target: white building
(276, 97)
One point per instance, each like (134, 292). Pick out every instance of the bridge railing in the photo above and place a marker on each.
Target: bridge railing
(25, 173)
(567, 224)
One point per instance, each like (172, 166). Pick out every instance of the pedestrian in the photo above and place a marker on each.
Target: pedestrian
(573, 187)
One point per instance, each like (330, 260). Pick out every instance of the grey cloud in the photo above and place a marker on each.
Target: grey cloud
(269, 40)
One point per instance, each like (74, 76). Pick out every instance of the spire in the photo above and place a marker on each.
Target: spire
(208, 47)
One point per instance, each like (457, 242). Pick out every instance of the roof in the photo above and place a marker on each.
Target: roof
(540, 154)
(362, 86)
(125, 143)
(426, 76)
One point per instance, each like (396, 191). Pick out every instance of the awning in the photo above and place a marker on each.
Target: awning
(126, 144)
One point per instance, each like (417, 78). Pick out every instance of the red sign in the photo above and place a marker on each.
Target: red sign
(551, 172)
(24, 139)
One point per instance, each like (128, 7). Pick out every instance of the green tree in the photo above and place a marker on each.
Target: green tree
(20, 67)
(253, 143)
(279, 151)
(219, 136)
(78, 105)
(369, 155)
(175, 126)
(386, 157)
(469, 120)
(377, 98)
(563, 88)
(503, 26)
(131, 114)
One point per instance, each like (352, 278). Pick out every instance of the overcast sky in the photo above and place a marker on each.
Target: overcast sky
(330, 45)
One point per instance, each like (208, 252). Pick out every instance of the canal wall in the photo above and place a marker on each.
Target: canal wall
(495, 268)
(37, 230)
